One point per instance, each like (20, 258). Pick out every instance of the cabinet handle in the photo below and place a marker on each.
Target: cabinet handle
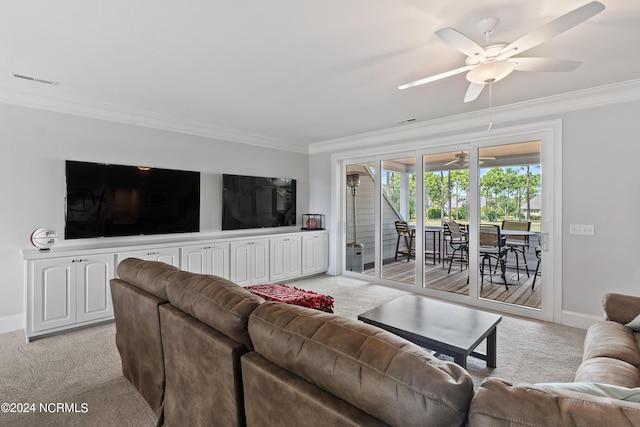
(153, 253)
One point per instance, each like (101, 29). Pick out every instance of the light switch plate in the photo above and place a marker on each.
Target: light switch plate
(583, 229)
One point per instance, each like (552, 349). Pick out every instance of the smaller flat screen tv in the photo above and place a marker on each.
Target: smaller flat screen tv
(106, 200)
(257, 202)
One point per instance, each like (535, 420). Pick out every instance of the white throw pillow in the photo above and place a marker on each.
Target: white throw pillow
(597, 389)
(634, 324)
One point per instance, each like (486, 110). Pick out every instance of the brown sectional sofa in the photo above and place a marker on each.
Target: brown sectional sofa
(611, 357)
(232, 359)
(336, 366)
(137, 295)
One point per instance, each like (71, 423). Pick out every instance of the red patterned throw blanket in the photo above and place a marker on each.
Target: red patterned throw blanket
(292, 295)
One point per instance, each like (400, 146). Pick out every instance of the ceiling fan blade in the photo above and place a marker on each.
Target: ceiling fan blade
(451, 162)
(460, 42)
(552, 29)
(436, 77)
(473, 91)
(543, 64)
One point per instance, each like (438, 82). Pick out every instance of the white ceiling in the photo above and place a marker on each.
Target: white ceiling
(295, 71)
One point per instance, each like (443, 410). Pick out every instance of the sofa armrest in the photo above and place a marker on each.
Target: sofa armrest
(498, 403)
(620, 308)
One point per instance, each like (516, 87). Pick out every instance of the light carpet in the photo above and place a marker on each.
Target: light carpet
(82, 368)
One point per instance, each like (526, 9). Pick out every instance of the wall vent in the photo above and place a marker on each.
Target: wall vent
(34, 79)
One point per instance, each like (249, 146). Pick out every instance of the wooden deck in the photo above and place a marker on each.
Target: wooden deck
(436, 277)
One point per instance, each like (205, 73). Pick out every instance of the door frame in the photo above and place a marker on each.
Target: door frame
(549, 133)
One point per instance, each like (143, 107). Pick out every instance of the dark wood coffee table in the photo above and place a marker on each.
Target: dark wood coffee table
(445, 328)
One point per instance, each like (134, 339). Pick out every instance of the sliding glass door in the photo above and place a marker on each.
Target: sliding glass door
(360, 223)
(421, 220)
(446, 206)
(398, 220)
(510, 194)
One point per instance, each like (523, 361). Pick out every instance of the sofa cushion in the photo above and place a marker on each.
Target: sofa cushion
(139, 341)
(150, 276)
(499, 403)
(203, 381)
(378, 372)
(620, 308)
(216, 302)
(276, 397)
(611, 339)
(608, 371)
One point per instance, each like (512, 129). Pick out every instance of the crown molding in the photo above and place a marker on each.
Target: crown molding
(578, 100)
(59, 103)
(552, 105)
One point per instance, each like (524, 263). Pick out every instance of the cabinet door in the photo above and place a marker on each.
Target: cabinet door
(194, 259)
(315, 253)
(309, 248)
(294, 257)
(167, 255)
(322, 255)
(219, 260)
(279, 258)
(94, 294)
(260, 262)
(241, 263)
(52, 297)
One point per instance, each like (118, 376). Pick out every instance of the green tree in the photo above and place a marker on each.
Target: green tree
(460, 184)
(492, 185)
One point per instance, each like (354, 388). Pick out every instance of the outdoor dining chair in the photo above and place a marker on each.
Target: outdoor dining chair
(537, 273)
(458, 241)
(492, 246)
(403, 230)
(518, 244)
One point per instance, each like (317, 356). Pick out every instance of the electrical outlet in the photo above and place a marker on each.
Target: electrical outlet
(583, 229)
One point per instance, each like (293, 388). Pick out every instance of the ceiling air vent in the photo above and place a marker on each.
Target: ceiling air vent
(34, 79)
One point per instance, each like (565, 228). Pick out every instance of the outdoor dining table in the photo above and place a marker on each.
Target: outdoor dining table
(508, 233)
(436, 246)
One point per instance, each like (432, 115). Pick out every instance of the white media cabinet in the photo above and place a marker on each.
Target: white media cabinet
(68, 287)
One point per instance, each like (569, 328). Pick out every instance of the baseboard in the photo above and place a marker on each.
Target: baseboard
(11, 323)
(579, 320)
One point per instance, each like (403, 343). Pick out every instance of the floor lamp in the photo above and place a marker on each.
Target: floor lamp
(355, 250)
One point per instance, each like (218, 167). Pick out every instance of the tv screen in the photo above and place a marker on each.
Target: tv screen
(257, 202)
(105, 200)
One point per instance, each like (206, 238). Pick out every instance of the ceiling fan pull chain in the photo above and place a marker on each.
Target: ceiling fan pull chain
(490, 105)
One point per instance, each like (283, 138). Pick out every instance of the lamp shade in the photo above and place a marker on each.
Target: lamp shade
(490, 71)
(353, 180)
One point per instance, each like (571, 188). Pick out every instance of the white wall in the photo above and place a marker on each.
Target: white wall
(601, 152)
(601, 155)
(35, 144)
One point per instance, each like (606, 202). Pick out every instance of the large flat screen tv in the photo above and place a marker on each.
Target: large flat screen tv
(257, 202)
(105, 200)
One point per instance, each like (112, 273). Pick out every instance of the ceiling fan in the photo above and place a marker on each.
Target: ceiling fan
(496, 61)
(462, 159)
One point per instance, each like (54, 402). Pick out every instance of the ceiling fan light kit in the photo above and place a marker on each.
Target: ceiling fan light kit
(490, 71)
(496, 61)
